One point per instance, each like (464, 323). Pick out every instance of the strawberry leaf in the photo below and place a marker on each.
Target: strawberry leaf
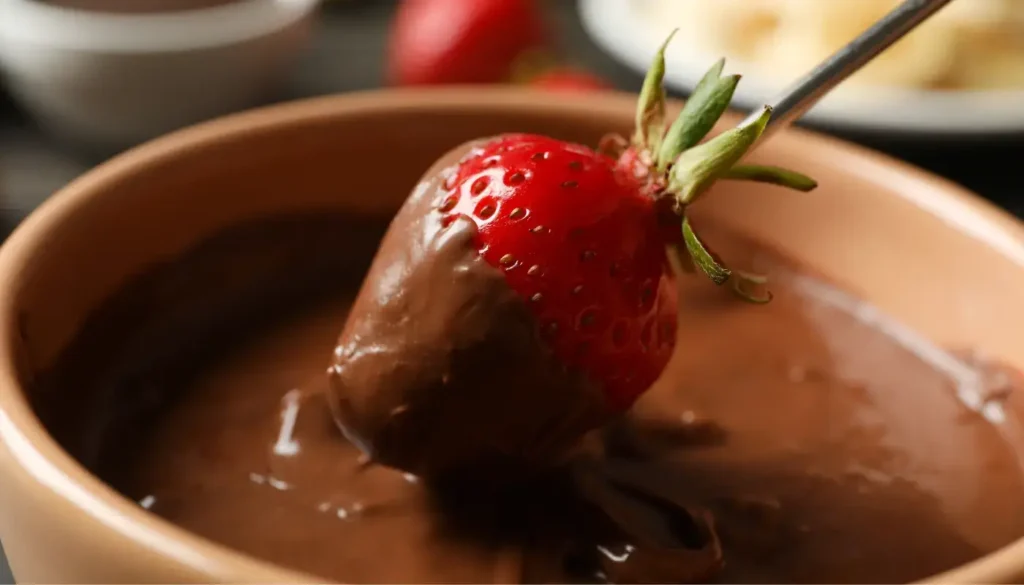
(706, 105)
(650, 112)
(772, 175)
(697, 168)
(702, 257)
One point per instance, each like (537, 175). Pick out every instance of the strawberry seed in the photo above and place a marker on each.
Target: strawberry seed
(619, 334)
(479, 185)
(647, 295)
(515, 178)
(448, 204)
(486, 208)
(588, 319)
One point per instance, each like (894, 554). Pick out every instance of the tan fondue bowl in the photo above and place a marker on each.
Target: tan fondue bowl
(938, 258)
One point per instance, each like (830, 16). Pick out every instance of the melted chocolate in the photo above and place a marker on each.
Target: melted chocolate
(818, 444)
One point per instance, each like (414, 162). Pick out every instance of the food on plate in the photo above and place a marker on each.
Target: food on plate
(972, 44)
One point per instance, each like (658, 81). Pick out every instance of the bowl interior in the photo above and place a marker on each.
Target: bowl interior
(942, 263)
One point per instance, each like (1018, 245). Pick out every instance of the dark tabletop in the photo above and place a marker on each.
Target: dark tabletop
(347, 55)
(5, 571)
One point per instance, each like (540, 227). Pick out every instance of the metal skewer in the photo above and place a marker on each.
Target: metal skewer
(809, 89)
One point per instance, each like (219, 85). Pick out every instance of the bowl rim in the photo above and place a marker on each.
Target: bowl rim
(35, 23)
(39, 456)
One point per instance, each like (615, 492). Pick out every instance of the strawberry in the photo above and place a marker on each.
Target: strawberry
(524, 295)
(579, 242)
(461, 41)
(566, 79)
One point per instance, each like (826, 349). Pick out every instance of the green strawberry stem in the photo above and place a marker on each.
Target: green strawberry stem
(706, 105)
(702, 257)
(650, 111)
(697, 168)
(684, 168)
(772, 175)
(742, 283)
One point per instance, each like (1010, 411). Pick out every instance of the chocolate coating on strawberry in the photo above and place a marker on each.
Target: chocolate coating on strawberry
(440, 365)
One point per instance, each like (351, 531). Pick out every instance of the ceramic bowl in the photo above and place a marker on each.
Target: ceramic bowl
(108, 80)
(958, 276)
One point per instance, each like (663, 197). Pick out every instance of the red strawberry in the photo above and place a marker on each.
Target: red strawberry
(577, 240)
(461, 41)
(524, 294)
(565, 79)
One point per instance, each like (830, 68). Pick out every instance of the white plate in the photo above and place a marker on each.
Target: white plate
(616, 27)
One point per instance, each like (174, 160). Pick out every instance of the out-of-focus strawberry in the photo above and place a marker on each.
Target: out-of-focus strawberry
(461, 41)
(567, 79)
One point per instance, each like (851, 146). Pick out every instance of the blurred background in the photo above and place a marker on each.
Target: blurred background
(81, 80)
(84, 79)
